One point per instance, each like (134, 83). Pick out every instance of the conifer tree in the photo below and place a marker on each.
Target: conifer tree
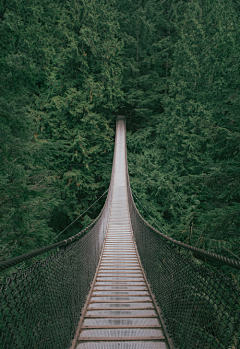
(25, 193)
(61, 85)
(191, 171)
(76, 112)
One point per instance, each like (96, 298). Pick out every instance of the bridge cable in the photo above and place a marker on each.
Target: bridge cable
(160, 229)
(81, 214)
(24, 257)
(198, 251)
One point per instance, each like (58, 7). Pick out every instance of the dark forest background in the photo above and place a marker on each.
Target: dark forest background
(67, 68)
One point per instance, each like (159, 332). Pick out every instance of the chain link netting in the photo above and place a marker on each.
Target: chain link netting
(201, 306)
(41, 304)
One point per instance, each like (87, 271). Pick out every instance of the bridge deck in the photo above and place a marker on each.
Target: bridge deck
(120, 312)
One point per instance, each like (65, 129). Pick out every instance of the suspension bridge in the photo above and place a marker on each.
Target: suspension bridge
(119, 283)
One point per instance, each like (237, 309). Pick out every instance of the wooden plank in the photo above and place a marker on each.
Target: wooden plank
(115, 249)
(129, 301)
(120, 295)
(120, 243)
(121, 339)
(119, 253)
(118, 258)
(120, 270)
(120, 289)
(120, 326)
(119, 316)
(127, 279)
(136, 269)
(135, 284)
(121, 308)
(102, 275)
(121, 259)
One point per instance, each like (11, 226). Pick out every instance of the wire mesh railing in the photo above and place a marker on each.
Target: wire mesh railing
(41, 304)
(201, 306)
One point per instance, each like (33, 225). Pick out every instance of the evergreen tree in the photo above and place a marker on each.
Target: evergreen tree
(25, 193)
(61, 85)
(190, 173)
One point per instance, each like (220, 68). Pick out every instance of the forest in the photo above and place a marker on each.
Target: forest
(68, 68)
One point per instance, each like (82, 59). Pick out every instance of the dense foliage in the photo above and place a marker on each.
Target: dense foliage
(187, 159)
(60, 88)
(69, 67)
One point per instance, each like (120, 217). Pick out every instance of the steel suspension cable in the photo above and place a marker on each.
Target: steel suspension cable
(22, 258)
(209, 255)
(206, 254)
(82, 214)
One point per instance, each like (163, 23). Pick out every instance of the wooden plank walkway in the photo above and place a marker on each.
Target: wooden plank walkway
(120, 312)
